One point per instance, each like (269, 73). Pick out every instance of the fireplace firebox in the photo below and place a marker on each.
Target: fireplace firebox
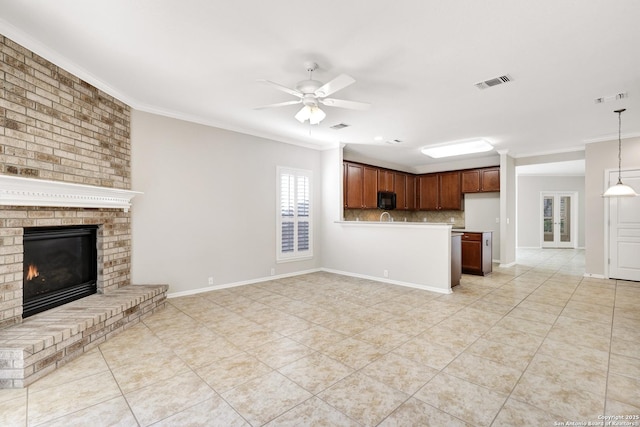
(60, 266)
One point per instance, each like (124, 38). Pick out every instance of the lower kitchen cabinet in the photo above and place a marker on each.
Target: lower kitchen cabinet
(476, 252)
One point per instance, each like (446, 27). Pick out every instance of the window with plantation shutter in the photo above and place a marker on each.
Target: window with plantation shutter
(294, 214)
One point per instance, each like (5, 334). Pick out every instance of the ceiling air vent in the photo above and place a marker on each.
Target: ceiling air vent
(339, 126)
(494, 82)
(616, 97)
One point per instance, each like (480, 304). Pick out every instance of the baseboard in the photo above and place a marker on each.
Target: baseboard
(241, 283)
(392, 282)
(594, 276)
(300, 273)
(511, 264)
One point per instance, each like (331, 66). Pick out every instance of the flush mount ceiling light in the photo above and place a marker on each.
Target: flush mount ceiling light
(619, 189)
(458, 149)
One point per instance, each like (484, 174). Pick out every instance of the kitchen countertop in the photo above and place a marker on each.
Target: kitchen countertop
(414, 223)
(464, 230)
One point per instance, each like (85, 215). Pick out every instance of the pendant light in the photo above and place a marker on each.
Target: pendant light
(619, 189)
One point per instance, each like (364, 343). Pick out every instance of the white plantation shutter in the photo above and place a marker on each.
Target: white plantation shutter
(294, 214)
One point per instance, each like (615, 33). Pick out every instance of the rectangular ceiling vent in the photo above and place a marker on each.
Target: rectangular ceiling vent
(616, 97)
(339, 126)
(494, 82)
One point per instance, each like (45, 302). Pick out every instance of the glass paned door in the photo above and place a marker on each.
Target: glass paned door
(548, 219)
(558, 220)
(565, 219)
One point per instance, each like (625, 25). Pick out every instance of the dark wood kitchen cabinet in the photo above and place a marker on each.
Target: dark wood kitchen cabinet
(400, 188)
(427, 192)
(405, 189)
(439, 191)
(353, 179)
(370, 188)
(385, 180)
(360, 186)
(476, 253)
(481, 180)
(411, 192)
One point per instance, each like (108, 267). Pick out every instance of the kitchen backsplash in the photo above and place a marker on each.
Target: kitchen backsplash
(409, 216)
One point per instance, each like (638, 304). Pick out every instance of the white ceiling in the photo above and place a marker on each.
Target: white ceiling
(415, 61)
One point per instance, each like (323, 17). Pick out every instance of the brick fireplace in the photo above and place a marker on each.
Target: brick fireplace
(113, 243)
(54, 126)
(58, 129)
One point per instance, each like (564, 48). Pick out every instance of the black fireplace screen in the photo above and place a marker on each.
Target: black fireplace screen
(60, 266)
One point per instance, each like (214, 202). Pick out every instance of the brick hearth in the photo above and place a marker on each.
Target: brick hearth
(48, 340)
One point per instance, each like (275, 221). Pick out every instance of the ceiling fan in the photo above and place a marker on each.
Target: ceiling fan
(311, 92)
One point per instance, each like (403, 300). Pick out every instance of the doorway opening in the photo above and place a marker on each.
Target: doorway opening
(559, 219)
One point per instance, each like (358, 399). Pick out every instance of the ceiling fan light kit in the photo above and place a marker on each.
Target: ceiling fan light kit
(458, 149)
(311, 113)
(620, 189)
(311, 92)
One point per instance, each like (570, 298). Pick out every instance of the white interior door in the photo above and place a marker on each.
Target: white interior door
(559, 219)
(624, 230)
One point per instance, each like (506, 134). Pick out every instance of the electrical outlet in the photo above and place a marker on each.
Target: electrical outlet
(497, 220)
(211, 280)
(385, 273)
(273, 271)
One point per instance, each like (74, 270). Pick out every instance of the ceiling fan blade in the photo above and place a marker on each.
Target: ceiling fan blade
(279, 104)
(283, 88)
(340, 82)
(342, 103)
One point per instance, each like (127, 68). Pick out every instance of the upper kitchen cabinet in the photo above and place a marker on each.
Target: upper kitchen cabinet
(385, 180)
(427, 192)
(405, 188)
(439, 191)
(481, 180)
(449, 191)
(400, 188)
(360, 186)
(411, 192)
(370, 188)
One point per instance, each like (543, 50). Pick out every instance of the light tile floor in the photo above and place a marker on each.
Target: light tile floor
(534, 344)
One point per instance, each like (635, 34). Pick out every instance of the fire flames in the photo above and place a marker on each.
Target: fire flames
(32, 272)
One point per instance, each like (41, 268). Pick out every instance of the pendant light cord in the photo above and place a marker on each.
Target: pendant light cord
(620, 144)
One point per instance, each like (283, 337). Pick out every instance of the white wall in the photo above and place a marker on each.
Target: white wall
(599, 158)
(480, 213)
(415, 255)
(530, 212)
(507, 209)
(209, 203)
(405, 253)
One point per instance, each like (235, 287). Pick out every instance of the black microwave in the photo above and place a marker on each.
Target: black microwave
(386, 200)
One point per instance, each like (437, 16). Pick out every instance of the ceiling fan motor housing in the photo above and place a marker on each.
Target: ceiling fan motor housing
(309, 100)
(308, 86)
